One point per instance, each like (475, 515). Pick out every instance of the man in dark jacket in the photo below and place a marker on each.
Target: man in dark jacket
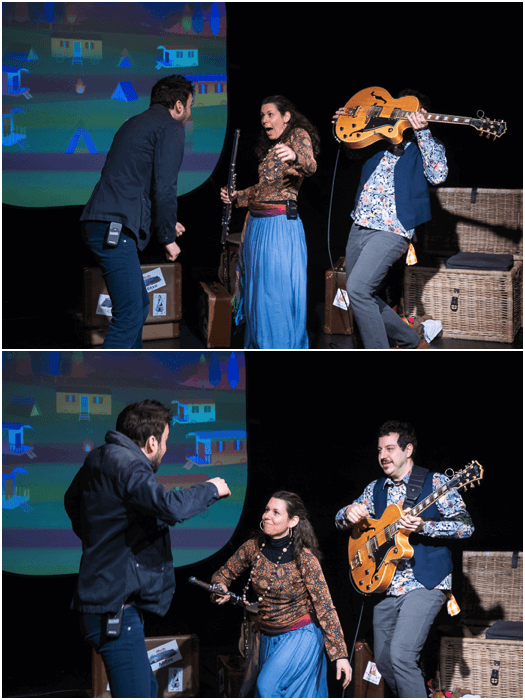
(121, 514)
(137, 191)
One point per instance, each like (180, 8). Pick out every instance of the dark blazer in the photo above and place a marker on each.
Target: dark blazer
(138, 183)
(121, 513)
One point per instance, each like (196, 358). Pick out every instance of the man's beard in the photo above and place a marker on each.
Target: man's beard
(155, 463)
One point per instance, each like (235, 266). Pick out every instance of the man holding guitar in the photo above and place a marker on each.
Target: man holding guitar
(416, 579)
(392, 199)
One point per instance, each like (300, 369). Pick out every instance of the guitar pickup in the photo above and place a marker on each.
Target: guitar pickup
(356, 562)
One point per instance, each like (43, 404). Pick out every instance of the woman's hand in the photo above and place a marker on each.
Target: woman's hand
(343, 666)
(220, 599)
(285, 153)
(225, 196)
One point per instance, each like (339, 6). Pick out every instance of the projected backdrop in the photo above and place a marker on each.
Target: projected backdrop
(57, 406)
(72, 74)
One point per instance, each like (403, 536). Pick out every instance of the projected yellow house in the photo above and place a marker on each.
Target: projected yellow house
(83, 403)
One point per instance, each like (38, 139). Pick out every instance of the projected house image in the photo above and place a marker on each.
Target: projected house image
(12, 80)
(13, 440)
(177, 56)
(95, 403)
(217, 447)
(77, 47)
(193, 411)
(59, 406)
(13, 495)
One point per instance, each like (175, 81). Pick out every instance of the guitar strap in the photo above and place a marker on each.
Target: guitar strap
(414, 486)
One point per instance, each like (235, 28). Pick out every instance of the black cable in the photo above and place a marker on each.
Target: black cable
(355, 638)
(332, 345)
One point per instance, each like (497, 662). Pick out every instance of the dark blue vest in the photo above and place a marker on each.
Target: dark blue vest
(431, 562)
(410, 183)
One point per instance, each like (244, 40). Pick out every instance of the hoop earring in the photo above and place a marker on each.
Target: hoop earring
(261, 526)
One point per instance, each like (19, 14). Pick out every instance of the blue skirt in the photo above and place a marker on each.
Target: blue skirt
(293, 665)
(274, 285)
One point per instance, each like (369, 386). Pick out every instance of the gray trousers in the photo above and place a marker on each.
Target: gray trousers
(401, 627)
(369, 255)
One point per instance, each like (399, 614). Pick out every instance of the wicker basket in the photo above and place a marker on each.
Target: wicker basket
(476, 221)
(489, 304)
(491, 590)
(469, 662)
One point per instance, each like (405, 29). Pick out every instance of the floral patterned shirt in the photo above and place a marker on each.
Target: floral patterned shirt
(457, 524)
(294, 592)
(272, 171)
(376, 207)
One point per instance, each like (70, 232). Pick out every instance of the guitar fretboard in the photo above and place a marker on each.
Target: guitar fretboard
(390, 530)
(449, 118)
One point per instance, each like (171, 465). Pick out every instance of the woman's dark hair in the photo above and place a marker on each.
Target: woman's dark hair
(297, 121)
(303, 532)
(407, 434)
(168, 90)
(140, 420)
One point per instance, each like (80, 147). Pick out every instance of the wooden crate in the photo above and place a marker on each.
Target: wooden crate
(230, 675)
(185, 670)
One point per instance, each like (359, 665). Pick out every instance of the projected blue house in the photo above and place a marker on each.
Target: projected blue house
(11, 133)
(12, 496)
(176, 56)
(12, 80)
(193, 411)
(217, 447)
(13, 439)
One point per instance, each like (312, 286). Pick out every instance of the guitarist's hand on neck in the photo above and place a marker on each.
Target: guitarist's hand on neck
(411, 523)
(417, 120)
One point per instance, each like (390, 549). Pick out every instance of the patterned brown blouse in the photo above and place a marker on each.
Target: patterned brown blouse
(294, 591)
(272, 171)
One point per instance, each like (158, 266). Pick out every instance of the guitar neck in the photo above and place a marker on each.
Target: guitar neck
(447, 118)
(420, 507)
(430, 500)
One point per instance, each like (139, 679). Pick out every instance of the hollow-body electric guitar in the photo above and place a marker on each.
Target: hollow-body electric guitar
(373, 114)
(376, 547)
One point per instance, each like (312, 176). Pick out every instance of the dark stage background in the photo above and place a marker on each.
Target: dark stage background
(311, 429)
(465, 57)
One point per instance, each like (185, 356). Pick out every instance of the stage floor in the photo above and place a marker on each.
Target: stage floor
(62, 334)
